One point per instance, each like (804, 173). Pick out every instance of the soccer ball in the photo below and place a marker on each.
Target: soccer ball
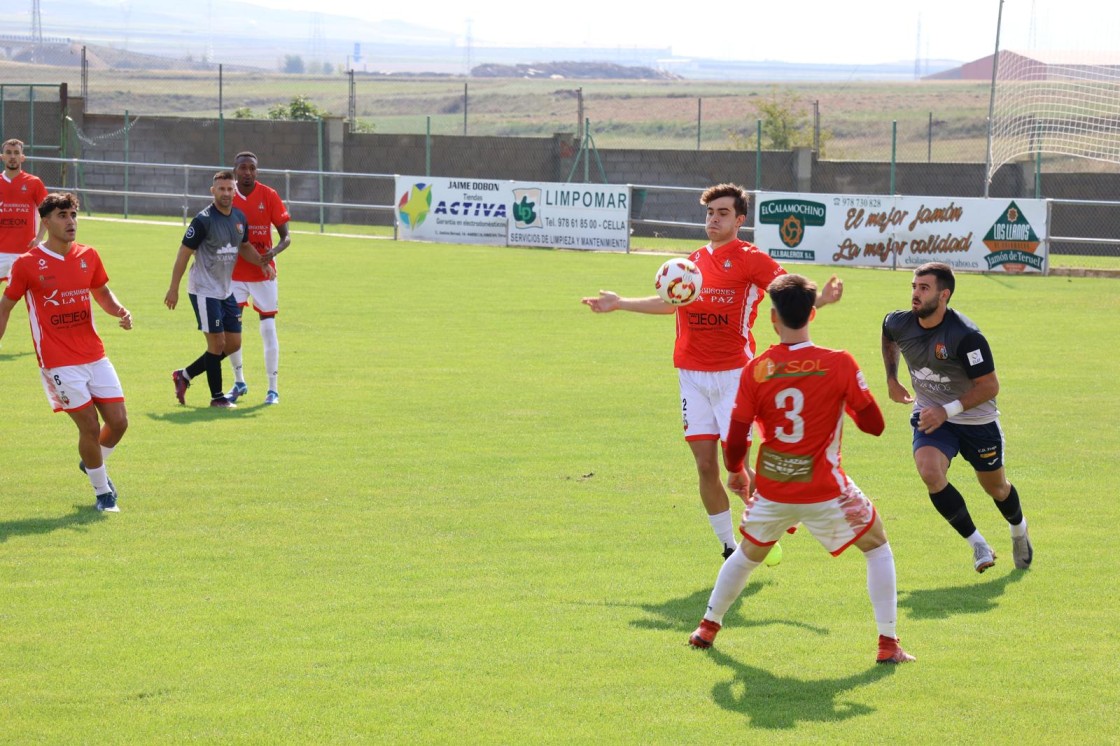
(678, 282)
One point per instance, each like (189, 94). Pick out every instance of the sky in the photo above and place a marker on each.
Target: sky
(810, 31)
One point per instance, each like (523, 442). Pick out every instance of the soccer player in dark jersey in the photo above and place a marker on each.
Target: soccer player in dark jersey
(797, 394)
(955, 387)
(215, 238)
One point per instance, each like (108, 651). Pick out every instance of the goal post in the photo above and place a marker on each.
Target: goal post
(1062, 99)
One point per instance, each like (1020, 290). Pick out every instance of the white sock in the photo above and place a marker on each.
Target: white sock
(976, 539)
(106, 451)
(271, 352)
(237, 365)
(99, 478)
(724, 528)
(732, 579)
(1020, 530)
(882, 589)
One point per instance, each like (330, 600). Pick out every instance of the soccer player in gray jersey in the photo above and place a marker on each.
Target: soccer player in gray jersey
(954, 400)
(215, 238)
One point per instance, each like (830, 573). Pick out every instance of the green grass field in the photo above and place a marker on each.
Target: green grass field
(472, 519)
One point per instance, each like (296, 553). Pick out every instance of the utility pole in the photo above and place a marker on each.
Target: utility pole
(36, 32)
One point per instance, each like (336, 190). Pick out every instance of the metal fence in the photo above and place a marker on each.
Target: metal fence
(180, 190)
(1083, 227)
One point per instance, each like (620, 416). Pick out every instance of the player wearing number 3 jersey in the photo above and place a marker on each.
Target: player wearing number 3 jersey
(798, 394)
(714, 339)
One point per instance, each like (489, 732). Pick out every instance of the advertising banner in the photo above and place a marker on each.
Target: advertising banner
(452, 210)
(969, 234)
(592, 217)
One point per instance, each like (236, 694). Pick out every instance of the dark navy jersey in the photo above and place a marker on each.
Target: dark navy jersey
(943, 361)
(214, 238)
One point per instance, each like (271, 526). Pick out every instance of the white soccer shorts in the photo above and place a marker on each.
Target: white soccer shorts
(836, 524)
(72, 387)
(265, 295)
(6, 262)
(707, 398)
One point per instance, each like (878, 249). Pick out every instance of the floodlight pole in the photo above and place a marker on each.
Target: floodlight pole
(992, 106)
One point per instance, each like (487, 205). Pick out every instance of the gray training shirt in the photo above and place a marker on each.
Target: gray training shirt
(214, 238)
(943, 361)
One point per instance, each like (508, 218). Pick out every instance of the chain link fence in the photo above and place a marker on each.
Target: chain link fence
(926, 137)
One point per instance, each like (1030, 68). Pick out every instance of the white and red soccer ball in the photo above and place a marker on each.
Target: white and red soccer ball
(678, 282)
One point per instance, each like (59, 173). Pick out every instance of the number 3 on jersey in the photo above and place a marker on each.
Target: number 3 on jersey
(791, 401)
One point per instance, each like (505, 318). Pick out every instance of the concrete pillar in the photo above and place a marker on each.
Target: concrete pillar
(803, 169)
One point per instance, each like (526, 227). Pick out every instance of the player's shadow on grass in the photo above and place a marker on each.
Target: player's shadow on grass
(83, 515)
(782, 702)
(683, 614)
(5, 356)
(191, 415)
(768, 700)
(970, 598)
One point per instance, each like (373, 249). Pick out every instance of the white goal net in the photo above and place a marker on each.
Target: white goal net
(1057, 85)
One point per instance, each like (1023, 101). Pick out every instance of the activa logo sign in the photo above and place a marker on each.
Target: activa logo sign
(792, 216)
(1013, 242)
(414, 205)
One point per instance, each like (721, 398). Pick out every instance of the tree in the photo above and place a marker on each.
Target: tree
(298, 109)
(785, 125)
(293, 64)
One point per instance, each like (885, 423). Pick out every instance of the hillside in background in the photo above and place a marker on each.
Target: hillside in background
(243, 35)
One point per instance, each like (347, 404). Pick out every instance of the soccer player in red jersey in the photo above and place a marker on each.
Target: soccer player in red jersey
(714, 339)
(20, 197)
(57, 279)
(798, 394)
(264, 209)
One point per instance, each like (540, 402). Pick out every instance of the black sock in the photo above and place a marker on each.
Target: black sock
(214, 374)
(950, 505)
(196, 368)
(1010, 507)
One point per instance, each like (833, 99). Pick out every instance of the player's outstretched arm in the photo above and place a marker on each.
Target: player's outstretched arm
(869, 419)
(6, 306)
(284, 242)
(177, 271)
(109, 303)
(608, 301)
(891, 356)
(832, 291)
(249, 254)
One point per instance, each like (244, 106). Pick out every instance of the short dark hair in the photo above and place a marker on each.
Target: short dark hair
(793, 297)
(244, 154)
(736, 192)
(58, 201)
(225, 176)
(943, 272)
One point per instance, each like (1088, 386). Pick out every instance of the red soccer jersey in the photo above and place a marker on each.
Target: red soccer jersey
(797, 394)
(263, 208)
(714, 331)
(56, 290)
(19, 205)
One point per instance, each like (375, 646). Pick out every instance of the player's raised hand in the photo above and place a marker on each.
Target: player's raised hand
(604, 303)
(832, 291)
